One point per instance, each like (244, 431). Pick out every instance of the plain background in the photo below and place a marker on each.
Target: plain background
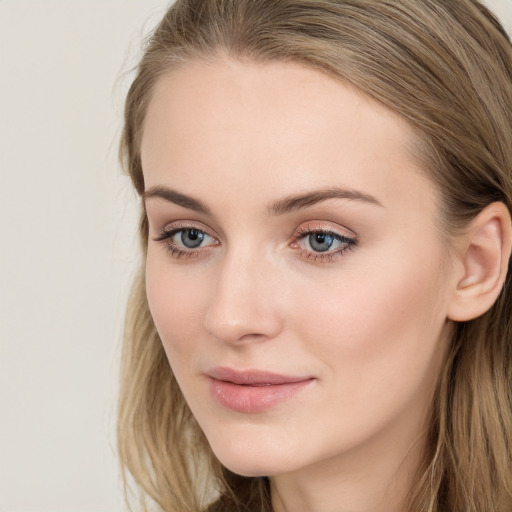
(68, 245)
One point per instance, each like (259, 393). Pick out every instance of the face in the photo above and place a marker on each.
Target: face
(295, 272)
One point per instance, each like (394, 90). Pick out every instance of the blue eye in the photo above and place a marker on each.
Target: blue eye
(322, 245)
(192, 238)
(186, 241)
(321, 242)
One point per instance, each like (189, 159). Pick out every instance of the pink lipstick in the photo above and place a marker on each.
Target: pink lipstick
(253, 391)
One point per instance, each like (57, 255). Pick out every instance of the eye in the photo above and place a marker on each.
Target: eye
(192, 238)
(188, 241)
(322, 243)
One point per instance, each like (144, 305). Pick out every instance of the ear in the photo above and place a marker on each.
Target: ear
(484, 252)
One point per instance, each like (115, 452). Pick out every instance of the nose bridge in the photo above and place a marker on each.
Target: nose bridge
(242, 306)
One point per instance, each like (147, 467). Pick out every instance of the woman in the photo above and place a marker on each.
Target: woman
(322, 321)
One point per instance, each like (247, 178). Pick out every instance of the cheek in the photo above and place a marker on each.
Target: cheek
(378, 339)
(176, 304)
(377, 326)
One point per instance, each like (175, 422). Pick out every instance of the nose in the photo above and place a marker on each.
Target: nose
(243, 307)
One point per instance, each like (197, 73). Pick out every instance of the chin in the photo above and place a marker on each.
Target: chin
(252, 459)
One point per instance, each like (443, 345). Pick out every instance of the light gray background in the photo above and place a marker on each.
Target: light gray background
(67, 245)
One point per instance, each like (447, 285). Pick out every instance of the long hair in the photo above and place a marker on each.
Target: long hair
(446, 68)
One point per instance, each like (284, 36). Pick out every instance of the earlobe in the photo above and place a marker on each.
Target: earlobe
(485, 252)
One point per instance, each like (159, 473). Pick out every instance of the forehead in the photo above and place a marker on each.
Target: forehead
(269, 126)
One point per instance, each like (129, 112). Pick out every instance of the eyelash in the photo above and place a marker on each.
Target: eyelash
(346, 243)
(166, 237)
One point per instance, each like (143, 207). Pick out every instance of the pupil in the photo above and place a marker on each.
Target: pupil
(320, 242)
(192, 238)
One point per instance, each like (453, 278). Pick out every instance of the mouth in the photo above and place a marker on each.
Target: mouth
(253, 391)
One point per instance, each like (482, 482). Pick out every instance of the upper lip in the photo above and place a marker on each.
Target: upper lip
(252, 377)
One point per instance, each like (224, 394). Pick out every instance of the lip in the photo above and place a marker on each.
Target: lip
(253, 391)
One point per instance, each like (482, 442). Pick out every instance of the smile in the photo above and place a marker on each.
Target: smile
(253, 391)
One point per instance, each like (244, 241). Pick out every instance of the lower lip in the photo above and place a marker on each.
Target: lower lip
(253, 399)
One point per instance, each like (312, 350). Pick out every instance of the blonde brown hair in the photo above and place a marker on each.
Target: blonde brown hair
(446, 67)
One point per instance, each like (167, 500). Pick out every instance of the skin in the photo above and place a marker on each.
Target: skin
(369, 324)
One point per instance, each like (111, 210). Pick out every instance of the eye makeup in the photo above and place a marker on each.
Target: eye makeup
(186, 240)
(321, 242)
(313, 241)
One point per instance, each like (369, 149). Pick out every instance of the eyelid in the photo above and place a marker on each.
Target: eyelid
(325, 227)
(182, 225)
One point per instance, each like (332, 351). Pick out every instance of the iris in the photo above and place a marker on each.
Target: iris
(320, 242)
(192, 238)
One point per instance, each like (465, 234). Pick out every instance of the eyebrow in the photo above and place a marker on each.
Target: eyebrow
(301, 201)
(280, 207)
(177, 198)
